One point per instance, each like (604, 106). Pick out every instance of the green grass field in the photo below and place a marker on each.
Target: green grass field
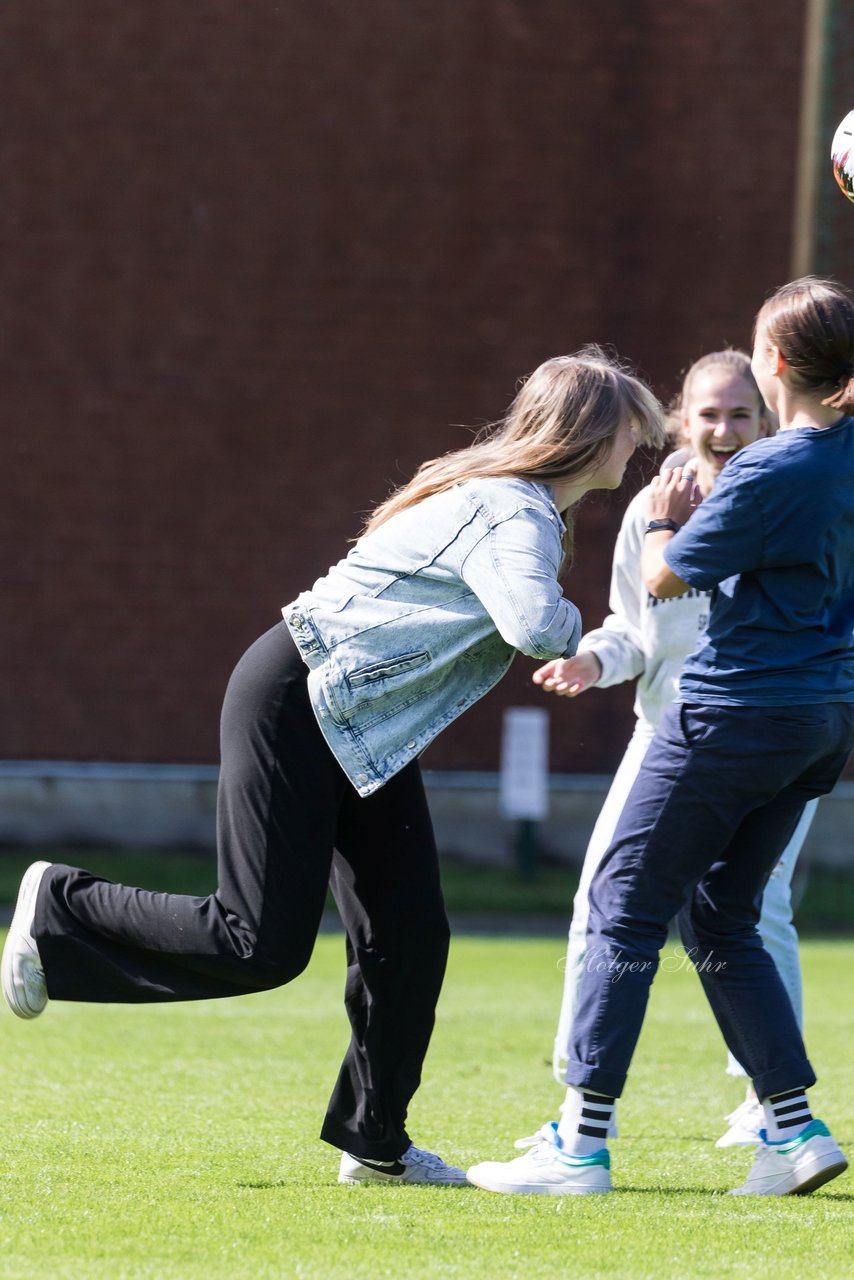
(180, 1141)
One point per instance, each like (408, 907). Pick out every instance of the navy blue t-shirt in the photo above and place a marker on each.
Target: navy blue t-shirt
(775, 539)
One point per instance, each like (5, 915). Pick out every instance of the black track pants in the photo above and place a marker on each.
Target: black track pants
(283, 807)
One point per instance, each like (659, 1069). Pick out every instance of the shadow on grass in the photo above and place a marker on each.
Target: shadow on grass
(838, 1196)
(282, 1184)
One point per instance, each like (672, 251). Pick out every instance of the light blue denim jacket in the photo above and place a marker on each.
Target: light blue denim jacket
(424, 616)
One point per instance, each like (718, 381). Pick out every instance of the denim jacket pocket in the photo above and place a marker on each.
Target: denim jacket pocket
(366, 694)
(386, 669)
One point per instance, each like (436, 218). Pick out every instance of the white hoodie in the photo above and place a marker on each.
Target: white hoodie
(643, 638)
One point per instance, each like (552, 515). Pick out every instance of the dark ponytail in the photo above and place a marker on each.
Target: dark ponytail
(811, 322)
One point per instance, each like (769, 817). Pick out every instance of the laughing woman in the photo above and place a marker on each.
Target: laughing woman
(764, 724)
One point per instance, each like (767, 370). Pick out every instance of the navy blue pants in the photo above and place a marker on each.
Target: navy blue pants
(283, 806)
(713, 807)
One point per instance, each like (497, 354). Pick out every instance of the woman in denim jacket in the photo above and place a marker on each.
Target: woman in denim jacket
(322, 722)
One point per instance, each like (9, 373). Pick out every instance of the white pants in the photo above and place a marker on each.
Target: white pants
(776, 929)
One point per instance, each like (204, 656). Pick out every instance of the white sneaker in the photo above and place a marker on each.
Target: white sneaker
(795, 1166)
(546, 1170)
(413, 1166)
(745, 1125)
(21, 973)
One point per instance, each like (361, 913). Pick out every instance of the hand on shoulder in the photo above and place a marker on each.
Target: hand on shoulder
(672, 495)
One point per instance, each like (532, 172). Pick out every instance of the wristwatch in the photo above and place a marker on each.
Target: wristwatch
(662, 524)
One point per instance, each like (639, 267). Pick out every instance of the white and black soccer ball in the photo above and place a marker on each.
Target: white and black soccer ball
(842, 155)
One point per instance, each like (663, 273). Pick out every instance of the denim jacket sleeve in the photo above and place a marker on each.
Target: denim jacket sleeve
(513, 570)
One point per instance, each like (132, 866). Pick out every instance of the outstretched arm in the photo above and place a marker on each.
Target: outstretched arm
(614, 651)
(569, 676)
(513, 571)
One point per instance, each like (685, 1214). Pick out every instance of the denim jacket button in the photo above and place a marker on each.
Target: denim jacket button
(410, 746)
(361, 777)
(296, 622)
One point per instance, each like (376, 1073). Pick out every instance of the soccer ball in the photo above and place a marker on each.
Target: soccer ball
(842, 155)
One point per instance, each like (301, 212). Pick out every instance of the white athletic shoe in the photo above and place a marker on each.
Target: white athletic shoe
(795, 1166)
(545, 1170)
(745, 1125)
(414, 1166)
(21, 973)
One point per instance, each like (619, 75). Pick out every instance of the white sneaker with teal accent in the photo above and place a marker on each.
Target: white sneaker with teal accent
(546, 1170)
(414, 1166)
(795, 1166)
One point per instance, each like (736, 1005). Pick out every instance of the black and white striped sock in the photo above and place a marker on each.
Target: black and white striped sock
(786, 1114)
(585, 1120)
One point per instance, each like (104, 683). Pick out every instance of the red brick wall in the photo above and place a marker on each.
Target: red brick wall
(255, 260)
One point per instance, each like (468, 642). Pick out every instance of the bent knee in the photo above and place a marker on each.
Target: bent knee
(709, 927)
(267, 969)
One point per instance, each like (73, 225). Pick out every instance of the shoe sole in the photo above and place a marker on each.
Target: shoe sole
(20, 920)
(378, 1177)
(347, 1181)
(529, 1189)
(820, 1177)
(820, 1174)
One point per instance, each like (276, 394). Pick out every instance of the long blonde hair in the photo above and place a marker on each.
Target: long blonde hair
(560, 426)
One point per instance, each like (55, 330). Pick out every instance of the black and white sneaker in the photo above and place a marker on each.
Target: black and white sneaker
(414, 1166)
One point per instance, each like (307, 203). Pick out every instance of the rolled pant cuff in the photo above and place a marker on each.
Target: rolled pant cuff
(599, 1079)
(797, 1075)
(356, 1144)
